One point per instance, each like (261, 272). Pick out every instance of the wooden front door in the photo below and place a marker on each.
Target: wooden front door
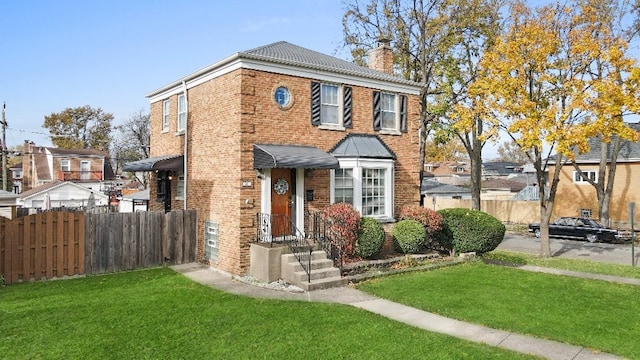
(281, 202)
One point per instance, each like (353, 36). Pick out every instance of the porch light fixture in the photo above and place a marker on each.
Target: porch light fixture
(260, 173)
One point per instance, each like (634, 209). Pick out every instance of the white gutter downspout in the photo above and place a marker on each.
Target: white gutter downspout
(186, 147)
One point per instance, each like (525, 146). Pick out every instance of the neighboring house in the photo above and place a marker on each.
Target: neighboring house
(432, 189)
(576, 197)
(87, 167)
(501, 169)
(449, 172)
(500, 189)
(58, 194)
(16, 177)
(137, 201)
(281, 130)
(8, 204)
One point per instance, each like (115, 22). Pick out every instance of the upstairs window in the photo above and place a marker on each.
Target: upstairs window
(182, 112)
(65, 165)
(85, 170)
(388, 109)
(580, 177)
(331, 106)
(389, 113)
(165, 115)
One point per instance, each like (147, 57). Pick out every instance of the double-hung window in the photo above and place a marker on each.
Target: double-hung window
(389, 113)
(165, 115)
(65, 165)
(366, 184)
(343, 188)
(329, 113)
(580, 177)
(182, 112)
(331, 106)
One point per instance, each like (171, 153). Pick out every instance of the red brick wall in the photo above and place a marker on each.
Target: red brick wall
(227, 115)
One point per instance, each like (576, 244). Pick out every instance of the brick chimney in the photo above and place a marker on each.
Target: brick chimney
(381, 58)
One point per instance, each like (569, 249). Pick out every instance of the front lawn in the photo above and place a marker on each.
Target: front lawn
(590, 313)
(159, 314)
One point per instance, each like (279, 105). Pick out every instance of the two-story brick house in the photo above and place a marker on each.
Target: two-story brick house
(282, 129)
(87, 167)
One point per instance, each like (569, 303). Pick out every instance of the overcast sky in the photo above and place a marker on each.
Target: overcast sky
(111, 53)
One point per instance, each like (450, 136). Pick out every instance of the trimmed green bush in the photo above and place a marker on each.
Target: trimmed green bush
(430, 219)
(370, 238)
(466, 230)
(408, 236)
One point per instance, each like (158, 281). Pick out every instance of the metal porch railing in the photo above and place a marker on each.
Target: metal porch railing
(280, 229)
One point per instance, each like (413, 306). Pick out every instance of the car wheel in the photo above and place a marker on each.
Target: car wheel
(537, 233)
(592, 238)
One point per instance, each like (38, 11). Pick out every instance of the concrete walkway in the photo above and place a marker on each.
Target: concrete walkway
(414, 317)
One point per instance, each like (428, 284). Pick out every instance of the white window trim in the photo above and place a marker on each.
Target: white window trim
(166, 115)
(582, 181)
(340, 125)
(180, 185)
(181, 126)
(85, 174)
(396, 129)
(62, 167)
(358, 165)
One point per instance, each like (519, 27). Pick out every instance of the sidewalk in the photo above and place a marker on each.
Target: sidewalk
(411, 316)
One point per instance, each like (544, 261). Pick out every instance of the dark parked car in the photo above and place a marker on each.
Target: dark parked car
(578, 228)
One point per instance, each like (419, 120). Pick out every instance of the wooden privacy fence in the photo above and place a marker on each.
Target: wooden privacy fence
(55, 244)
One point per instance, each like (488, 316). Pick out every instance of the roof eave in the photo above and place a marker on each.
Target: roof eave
(236, 60)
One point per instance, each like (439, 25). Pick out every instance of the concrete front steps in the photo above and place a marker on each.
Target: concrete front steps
(323, 274)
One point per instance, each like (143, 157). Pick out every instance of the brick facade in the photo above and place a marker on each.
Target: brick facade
(227, 116)
(572, 197)
(42, 165)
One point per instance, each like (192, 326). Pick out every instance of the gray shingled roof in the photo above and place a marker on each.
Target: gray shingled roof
(79, 152)
(362, 146)
(433, 187)
(285, 53)
(629, 150)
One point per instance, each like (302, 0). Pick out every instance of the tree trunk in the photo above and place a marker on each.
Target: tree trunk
(475, 156)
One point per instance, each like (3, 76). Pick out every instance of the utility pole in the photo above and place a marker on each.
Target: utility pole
(4, 148)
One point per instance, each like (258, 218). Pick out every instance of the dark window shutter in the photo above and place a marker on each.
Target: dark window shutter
(315, 103)
(347, 107)
(377, 116)
(403, 113)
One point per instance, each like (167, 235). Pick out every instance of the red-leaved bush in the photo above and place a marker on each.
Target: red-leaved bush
(344, 223)
(431, 220)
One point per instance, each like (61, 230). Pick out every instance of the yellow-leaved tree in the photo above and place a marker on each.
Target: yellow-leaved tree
(612, 92)
(537, 81)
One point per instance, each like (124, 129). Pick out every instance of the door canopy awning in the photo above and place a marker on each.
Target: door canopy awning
(169, 163)
(362, 146)
(268, 156)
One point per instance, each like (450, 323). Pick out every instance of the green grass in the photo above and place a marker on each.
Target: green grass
(566, 264)
(159, 314)
(590, 313)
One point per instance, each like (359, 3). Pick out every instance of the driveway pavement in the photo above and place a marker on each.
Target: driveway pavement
(573, 249)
